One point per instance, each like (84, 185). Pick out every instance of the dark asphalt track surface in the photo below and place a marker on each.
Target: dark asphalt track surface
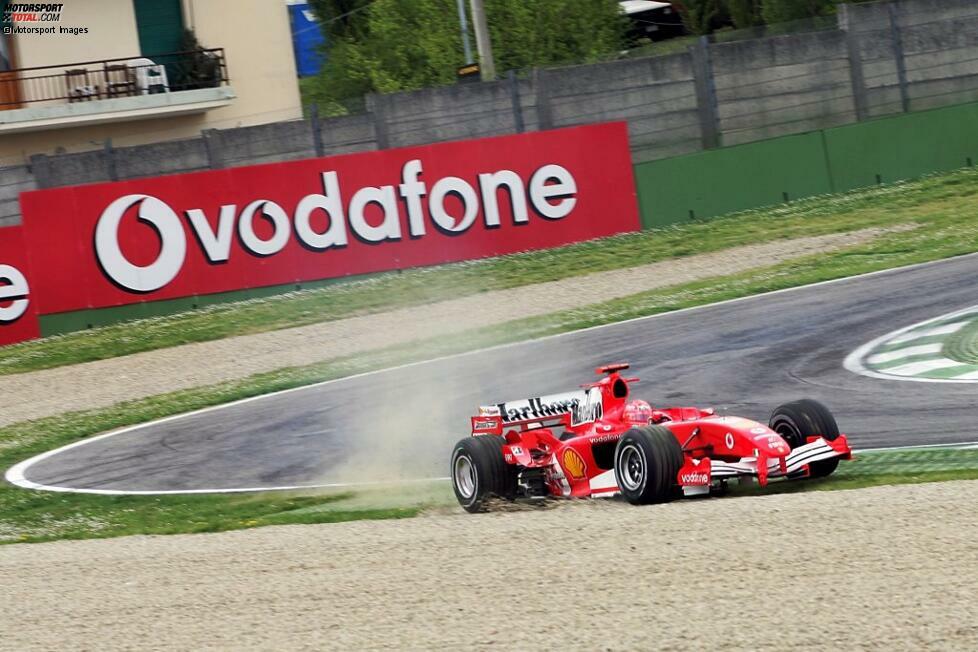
(747, 356)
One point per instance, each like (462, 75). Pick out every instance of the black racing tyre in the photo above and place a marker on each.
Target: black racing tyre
(799, 420)
(647, 460)
(479, 472)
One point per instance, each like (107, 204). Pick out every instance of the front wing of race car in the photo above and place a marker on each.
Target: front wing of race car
(696, 477)
(793, 465)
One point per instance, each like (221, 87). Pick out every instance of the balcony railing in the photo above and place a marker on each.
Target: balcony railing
(88, 81)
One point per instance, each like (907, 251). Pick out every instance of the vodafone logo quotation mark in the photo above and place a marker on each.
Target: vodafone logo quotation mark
(172, 252)
(550, 191)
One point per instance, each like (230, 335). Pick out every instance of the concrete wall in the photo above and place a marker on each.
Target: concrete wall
(782, 85)
(13, 181)
(657, 96)
(716, 94)
(938, 40)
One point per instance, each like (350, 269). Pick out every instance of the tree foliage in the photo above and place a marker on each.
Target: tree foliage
(703, 16)
(527, 33)
(341, 18)
(745, 13)
(395, 45)
(779, 11)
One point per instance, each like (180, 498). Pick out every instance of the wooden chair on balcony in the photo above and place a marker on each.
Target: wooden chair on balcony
(120, 81)
(80, 87)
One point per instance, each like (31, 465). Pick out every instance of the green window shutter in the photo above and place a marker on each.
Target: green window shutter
(159, 24)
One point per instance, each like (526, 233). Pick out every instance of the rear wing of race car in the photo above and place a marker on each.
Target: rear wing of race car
(488, 423)
(570, 410)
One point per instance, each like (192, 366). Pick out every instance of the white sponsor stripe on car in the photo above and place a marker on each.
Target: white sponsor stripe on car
(604, 482)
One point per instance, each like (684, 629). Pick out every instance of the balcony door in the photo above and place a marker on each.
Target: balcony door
(159, 24)
(9, 86)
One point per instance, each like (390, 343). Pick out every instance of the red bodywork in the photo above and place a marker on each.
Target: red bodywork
(571, 439)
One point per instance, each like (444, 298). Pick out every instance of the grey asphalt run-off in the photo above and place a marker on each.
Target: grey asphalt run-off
(745, 357)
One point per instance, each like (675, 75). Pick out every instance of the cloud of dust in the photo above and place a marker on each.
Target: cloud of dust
(407, 430)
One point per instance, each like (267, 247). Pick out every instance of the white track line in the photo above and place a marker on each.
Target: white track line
(923, 366)
(854, 361)
(234, 490)
(380, 483)
(884, 449)
(947, 329)
(16, 474)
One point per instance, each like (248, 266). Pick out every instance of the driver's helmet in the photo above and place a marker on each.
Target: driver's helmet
(637, 412)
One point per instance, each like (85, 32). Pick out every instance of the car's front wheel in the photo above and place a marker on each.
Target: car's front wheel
(799, 420)
(480, 472)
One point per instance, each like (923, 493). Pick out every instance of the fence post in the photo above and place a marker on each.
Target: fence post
(901, 64)
(514, 96)
(110, 166)
(706, 94)
(316, 126)
(545, 117)
(40, 166)
(214, 147)
(377, 108)
(860, 105)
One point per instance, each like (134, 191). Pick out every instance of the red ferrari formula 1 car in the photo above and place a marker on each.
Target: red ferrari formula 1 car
(597, 442)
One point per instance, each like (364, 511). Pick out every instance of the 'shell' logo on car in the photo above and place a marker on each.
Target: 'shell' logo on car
(574, 464)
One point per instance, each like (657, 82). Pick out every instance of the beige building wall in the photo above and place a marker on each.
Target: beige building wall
(257, 42)
(111, 34)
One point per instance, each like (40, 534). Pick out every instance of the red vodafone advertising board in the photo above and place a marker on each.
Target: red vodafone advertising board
(112, 244)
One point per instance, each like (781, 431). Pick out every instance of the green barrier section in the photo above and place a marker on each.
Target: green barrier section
(768, 172)
(719, 181)
(902, 147)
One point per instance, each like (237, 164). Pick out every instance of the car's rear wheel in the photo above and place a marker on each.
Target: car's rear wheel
(799, 420)
(647, 460)
(480, 472)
